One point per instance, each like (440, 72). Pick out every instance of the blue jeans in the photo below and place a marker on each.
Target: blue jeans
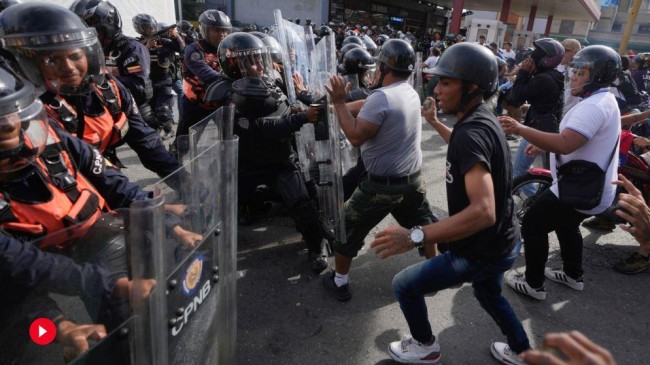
(522, 164)
(448, 270)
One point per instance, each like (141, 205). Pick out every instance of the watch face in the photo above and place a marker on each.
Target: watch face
(417, 235)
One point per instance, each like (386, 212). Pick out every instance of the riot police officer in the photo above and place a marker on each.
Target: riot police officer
(126, 58)
(50, 180)
(161, 50)
(187, 32)
(264, 124)
(80, 97)
(200, 70)
(359, 62)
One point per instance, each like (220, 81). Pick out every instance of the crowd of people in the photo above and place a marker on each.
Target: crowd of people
(73, 88)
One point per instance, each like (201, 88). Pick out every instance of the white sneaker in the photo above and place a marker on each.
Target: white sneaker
(559, 276)
(502, 352)
(410, 351)
(519, 284)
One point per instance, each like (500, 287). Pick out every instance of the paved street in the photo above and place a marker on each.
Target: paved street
(286, 317)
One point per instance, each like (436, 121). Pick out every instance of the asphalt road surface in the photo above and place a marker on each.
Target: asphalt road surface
(285, 317)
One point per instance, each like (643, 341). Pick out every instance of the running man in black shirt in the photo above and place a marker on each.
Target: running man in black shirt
(481, 239)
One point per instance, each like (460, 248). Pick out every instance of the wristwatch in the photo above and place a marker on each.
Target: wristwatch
(416, 236)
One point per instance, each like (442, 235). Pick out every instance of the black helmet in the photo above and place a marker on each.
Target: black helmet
(642, 60)
(359, 62)
(370, 45)
(353, 39)
(275, 49)
(347, 48)
(397, 55)
(382, 38)
(553, 52)
(45, 36)
(460, 62)
(213, 19)
(324, 30)
(7, 3)
(604, 65)
(145, 24)
(21, 115)
(100, 15)
(356, 61)
(242, 54)
(185, 25)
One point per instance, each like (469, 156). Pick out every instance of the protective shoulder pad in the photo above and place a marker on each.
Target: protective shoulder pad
(218, 91)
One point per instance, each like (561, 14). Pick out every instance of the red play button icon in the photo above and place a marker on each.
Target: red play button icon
(42, 331)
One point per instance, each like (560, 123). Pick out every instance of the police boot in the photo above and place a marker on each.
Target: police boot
(308, 223)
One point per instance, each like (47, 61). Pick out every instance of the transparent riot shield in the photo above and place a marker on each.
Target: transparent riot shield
(319, 150)
(200, 278)
(74, 283)
(295, 55)
(416, 76)
(215, 127)
(323, 60)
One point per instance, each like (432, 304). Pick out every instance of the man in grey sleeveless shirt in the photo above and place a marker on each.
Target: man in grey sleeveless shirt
(388, 128)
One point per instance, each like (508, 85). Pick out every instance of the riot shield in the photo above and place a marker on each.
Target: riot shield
(295, 53)
(215, 127)
(201, 279)
(323, 60)
(78, 290)
(319, 150)
(416, 76)
(353, 79)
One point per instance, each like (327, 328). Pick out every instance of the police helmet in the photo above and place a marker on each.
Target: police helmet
(370, 45)
(23, 122)
(324, 30)
(358, 61)
(185, 25)
(275, 49)
(459, 62)
(145, 24)
(382, 38)
(101, 15)
(347, 48)
(353, 39)
(213, 19)
(398, 55)
(551, 53)
(243, 55)
(604, 65)
(44, 39)
(7, 3)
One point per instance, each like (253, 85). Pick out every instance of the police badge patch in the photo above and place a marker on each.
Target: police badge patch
(195, 56)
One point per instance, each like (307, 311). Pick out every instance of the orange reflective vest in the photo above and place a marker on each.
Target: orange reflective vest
(193, 88)
(74, 204)
(101, 131)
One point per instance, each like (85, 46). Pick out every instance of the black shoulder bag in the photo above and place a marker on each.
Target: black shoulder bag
(581, 183)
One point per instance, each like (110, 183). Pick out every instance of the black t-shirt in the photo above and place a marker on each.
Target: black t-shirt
(478, 138)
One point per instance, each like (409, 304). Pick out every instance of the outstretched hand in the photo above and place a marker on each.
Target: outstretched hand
(75, 337)
(391, 241)
(578, 349)
(338, 90)
(635, 211)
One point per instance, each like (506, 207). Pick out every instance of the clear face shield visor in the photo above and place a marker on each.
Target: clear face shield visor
(254, 62)
(66, 63)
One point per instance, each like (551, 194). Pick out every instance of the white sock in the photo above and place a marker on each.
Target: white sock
(340, 280)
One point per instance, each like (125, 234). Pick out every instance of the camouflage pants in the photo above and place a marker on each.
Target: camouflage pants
(372, 201)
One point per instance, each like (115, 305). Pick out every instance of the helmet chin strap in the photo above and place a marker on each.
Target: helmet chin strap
(467, 96)
(383, 71)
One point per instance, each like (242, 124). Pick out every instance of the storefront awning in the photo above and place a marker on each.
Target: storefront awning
(585, 10)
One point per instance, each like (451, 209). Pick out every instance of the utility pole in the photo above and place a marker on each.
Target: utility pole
(631, 20)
